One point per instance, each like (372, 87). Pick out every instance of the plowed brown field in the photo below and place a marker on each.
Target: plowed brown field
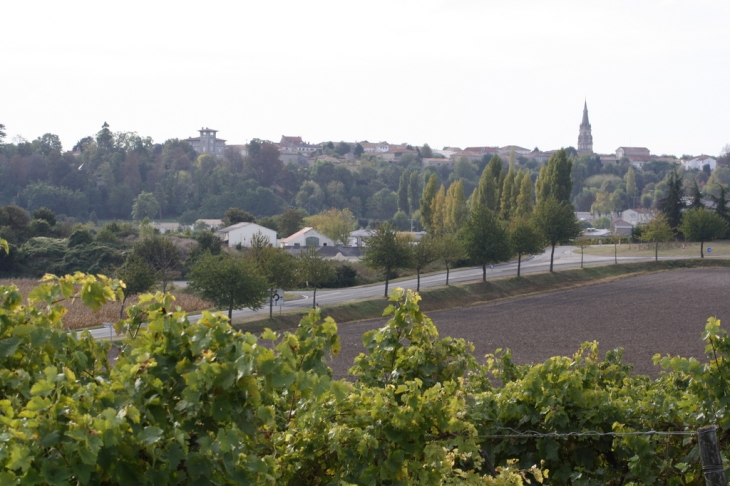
(661, 313)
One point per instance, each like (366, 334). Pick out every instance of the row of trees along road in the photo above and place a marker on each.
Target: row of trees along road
(496, 223)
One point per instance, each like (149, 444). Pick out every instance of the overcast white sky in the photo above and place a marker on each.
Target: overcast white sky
(655, 73)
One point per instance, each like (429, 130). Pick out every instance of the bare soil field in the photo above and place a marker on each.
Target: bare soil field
(661, 313)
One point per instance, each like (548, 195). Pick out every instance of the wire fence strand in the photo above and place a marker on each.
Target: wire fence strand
(532, 434)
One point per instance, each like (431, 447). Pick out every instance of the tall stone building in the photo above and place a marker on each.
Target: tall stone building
(208, 143)
(585, 139)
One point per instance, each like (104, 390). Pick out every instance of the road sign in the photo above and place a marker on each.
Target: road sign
(709, 250)
(277, 297)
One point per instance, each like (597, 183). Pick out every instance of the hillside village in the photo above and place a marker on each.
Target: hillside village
(284, 190)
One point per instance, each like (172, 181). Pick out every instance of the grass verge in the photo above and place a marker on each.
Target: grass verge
(462, 295)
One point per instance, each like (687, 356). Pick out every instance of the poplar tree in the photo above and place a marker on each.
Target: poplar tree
(542, 187)
(554, 179)
(495, 167)
(455, 207)
(486, 194)
(403, 192)
(561, 183)
(631, 185)
(438, 212)
(414, 191)
(525, 203)
(516, 190)
(429, 192)
(505, 202)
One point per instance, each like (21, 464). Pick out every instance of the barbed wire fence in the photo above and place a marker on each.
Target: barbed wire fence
(709, 446)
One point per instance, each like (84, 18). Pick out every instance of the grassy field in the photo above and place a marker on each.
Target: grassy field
(720, 248)
(80, 316)
(462, 295)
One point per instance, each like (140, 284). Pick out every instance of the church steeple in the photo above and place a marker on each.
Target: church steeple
(585, 139)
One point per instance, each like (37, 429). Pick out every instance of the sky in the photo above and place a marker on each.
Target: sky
(447, 73)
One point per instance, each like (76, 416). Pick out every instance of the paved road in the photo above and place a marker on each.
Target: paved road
(565, 257)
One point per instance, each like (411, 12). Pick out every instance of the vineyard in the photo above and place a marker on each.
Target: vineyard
(79, 316)
(200, 403)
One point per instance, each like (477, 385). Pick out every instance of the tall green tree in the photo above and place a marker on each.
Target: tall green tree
(2, 133)
(525, 201)
(138, 278)
(657, 230)
(438, 212)
(405, 180)
(505, 203)
(559, 178)
(449, 250)
(525, 239)
(485, 239)
(429, 192)
(236, 215)
(145, 206)
(672, 204)
(516, 186)
(232, 282)
(278, 267)
(631, 185)
(334, 223)
(423, 253)
(696, 196)
(702, 225)
(386, 251)
(721, 203)
(290, 221)
(455, 208)
(557, 222)
(486, 193)
(314, 270)
(162, 255)
(496, 167)
(426, 151)
(414, 191)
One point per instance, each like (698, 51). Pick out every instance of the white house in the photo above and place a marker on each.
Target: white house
(214, 224)
(357, 236)
(242, 233)
(165, 227)
(307, 237)
(699, 162)
(637, 216)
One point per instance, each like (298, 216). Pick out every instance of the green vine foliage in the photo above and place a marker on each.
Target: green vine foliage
(190, 403)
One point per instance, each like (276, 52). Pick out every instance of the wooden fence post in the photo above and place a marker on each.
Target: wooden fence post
(710, 456)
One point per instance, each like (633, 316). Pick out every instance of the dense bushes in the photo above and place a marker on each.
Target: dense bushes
(190, 403)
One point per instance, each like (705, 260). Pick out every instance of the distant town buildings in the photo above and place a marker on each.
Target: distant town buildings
(638, 156)
(700, 162)
(293, 149)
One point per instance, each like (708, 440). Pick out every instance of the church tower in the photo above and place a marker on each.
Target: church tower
(585, 139)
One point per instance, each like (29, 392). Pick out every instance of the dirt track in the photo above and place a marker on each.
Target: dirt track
(659, 313)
